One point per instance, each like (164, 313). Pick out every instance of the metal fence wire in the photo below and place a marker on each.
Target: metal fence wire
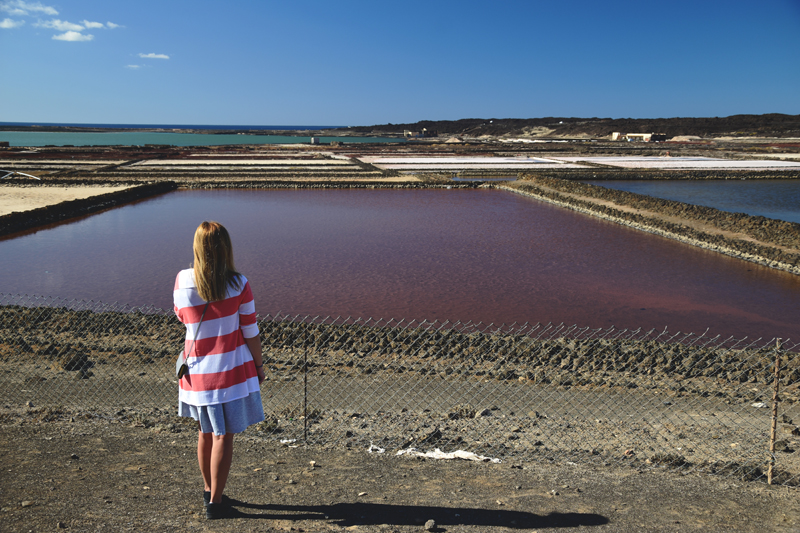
(518, 393)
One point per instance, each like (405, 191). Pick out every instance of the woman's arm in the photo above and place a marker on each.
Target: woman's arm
(248, 325)
(254, 345)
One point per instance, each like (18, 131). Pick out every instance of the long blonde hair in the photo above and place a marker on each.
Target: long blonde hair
(213, 262)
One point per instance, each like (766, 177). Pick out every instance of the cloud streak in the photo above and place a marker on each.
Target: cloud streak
(73, 36)
(59, 25)
(20, 8)
(154, 56)
(92, 25)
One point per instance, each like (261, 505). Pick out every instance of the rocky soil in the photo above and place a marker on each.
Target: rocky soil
(72, 471)
(71, 340)
(503, 393)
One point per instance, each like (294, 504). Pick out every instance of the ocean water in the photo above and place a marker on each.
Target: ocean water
(776, 199)
(165, 126)
(137, 136)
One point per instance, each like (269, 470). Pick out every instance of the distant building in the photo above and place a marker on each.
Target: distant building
(640, 137)
(314, 140)
(416, 134)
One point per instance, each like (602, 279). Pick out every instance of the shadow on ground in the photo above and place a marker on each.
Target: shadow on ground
(350, 514)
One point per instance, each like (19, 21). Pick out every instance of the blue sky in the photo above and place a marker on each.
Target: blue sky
(372, 62)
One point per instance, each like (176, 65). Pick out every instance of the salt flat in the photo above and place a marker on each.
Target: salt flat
(17, 198)
(478, 162)
(473, 160)
(700, 163)
(467, 166)
(243, 162)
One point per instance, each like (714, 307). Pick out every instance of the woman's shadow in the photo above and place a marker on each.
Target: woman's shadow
(350, 514)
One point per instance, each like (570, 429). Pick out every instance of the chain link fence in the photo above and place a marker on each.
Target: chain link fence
(515, 393)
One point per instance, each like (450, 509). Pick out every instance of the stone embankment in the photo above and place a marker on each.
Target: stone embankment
(599, 171)
(640, 400)
(79, 340)
(20, 221)
(772, 243)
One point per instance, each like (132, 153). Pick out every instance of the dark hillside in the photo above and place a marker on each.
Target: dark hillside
(770, 125)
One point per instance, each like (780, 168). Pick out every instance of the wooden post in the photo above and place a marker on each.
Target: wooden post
(775, 401)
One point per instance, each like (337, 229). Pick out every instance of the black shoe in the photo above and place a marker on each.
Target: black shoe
(206, 497)
(217, 510)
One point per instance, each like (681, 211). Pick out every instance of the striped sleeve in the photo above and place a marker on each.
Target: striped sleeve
(247, 313)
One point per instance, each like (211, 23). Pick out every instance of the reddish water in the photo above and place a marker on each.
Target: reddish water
(478, 255)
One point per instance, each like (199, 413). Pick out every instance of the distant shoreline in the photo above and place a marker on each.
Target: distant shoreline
(99, 128)
(767, 126)
(287, 131)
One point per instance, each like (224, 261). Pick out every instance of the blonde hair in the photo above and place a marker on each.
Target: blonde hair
(213, 262)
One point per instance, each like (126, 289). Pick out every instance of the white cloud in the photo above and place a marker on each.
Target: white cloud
(59, 25)
(154, 56)
(7, 24)
(73, 36)
(133, 67)
(68, 31)
(21, 8)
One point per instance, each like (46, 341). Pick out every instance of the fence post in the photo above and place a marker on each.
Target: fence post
(775, 400)
(305, 394)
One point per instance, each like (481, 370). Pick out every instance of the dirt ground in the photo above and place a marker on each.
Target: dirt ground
(92, 474)
(17, 198)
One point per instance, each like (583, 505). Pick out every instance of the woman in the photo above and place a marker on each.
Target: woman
(221, 389)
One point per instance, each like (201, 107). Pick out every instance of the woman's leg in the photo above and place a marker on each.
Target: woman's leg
(204, 446)
(215, 454)
(220, 464)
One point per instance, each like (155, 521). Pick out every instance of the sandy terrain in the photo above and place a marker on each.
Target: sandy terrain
(17, 198)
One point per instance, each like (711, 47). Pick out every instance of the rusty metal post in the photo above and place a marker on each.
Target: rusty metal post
(775, 400)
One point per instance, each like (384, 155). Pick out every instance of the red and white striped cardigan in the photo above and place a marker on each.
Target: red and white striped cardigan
(221, 368)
